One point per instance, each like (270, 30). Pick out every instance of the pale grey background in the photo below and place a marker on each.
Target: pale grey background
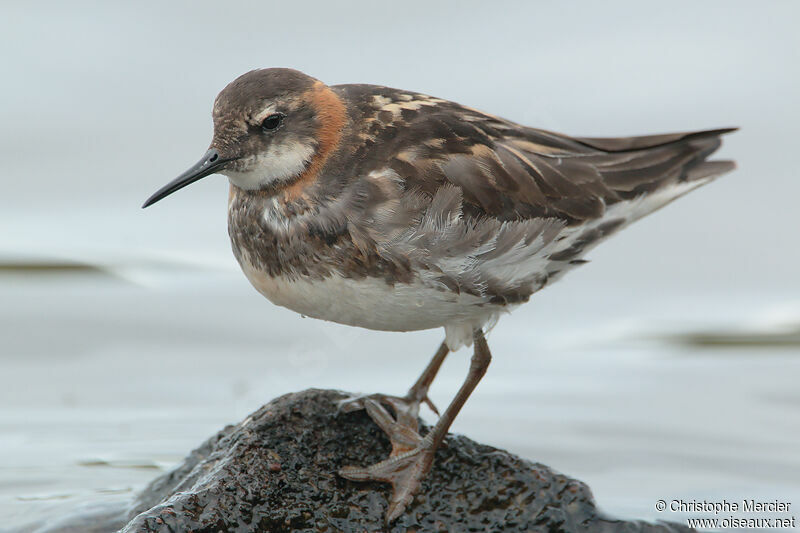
(131, 366)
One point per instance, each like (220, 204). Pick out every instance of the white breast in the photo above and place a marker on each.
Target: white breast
(372, 303)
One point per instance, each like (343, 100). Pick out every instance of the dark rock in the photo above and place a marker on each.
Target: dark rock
(276, 472)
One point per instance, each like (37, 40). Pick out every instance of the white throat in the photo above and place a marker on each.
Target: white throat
(278, 163)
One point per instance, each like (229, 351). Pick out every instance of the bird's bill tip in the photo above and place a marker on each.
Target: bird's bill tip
(210, 163)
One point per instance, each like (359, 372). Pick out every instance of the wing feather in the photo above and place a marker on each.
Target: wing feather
(491, 208)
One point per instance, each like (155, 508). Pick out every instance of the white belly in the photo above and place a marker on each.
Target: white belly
(372, 303)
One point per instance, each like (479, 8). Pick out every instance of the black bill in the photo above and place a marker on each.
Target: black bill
(209, 164)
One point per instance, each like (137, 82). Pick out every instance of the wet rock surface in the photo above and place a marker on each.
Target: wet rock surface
(276, 472)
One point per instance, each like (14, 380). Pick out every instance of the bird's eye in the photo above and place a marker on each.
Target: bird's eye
(272, 121)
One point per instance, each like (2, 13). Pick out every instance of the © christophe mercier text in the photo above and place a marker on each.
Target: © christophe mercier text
(724, 506)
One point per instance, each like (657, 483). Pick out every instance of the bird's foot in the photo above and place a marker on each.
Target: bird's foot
(402, 428)
(411, 456)
(405, 471)
(409, 403)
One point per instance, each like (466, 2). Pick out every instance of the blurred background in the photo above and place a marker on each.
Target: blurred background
(666, 368)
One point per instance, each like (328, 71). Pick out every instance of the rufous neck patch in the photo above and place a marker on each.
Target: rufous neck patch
(332, 117)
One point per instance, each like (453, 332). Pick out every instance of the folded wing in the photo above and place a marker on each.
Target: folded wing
(497, 210)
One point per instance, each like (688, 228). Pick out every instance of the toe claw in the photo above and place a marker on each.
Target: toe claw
(394, 511)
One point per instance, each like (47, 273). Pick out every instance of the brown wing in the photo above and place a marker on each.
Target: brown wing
(522, 173)
(486, 207)
(509, 172)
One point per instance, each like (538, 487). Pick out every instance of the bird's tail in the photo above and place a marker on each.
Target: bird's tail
(646, 173)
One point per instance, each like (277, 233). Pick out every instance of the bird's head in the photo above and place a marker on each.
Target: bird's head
(272, 128)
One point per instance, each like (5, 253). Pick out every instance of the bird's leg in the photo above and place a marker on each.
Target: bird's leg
(416, 395)
(402, 427)
(407, 466)
(419, 391)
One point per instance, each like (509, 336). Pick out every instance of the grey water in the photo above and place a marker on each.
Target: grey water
(667, 368)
